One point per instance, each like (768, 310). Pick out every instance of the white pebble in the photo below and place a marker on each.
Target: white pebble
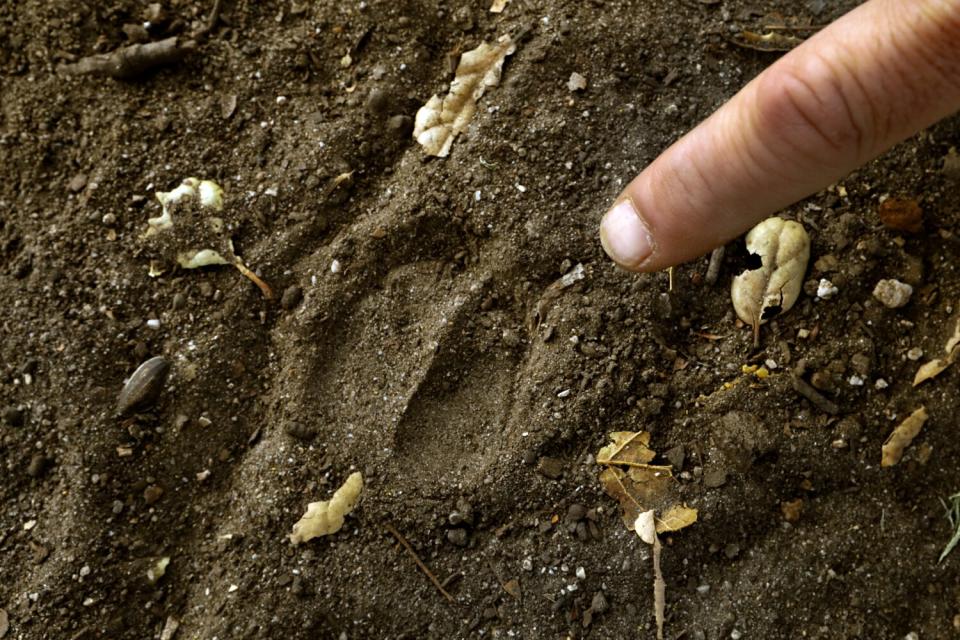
(281, 99)
(881, 383)
(153, 323)
(335, 267)
(527, 564)
(576, 82)
(893, 293)
(855, 381)
(770, 363)
(581, 573)
(826, 289)
(915, 354)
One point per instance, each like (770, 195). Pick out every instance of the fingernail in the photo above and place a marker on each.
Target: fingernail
(623, 235)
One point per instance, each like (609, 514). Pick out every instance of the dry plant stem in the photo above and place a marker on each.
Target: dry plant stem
(263, 286)
(212, 20)
(659, 589)
(713, 269)
(131, 62)
(670, 273)
(416, 558)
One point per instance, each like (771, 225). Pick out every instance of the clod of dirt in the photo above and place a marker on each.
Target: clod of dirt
(902, 436)
(901, 214)
(440, 120)
(772, 289)
(38, 465)
(550, 467)
(791, 509)
(326, 517)
(144, 386)
(576, 82)
(13, 416)
(893, 294)
(937, 366)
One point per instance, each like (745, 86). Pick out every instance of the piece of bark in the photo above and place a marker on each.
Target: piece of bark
(129, 63)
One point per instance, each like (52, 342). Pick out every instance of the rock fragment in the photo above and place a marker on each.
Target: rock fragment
(893, 294)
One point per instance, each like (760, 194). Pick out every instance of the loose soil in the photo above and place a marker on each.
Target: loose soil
(430, 360)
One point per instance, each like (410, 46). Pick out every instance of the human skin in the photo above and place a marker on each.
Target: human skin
(876, 76)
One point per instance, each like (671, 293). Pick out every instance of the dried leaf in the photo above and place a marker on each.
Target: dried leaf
(902, 436)
(677, 517)
(937, 366)
(324, 518)
(901, 214)
(639, 490)
(772, 289)
(628, 448)
(498, 6)
(440, 120)
(512, 587)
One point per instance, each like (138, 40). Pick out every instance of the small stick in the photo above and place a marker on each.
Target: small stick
(814, 396)
(128, 63)
(713, 269)
(212, 20)
(416, 558)
(264, 287)
(659, 588)
(670, 273)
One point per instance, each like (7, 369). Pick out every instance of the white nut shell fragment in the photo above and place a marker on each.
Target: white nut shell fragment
(324, 518)
(773, 288)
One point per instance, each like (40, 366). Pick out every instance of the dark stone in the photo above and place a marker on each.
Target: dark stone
(457, 537)
(38, 465)
(291, 297)
(300, 431)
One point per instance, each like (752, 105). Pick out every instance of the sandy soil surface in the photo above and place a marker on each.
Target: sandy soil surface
(415, 337)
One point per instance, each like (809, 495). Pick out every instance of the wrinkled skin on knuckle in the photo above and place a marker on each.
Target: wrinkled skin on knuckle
(816, 110)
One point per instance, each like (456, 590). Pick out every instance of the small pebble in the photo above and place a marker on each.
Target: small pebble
(38, 465)
(881, 384)
(457, 537)
(336, 267)
(117, 507)
(577, 82)
(153, 323)
(599, 603)
(144, 386)
(292, 296)
(915, 353)
(826, 289)
(152, 493)
(855, 381)
(550, 467)
(893, 294)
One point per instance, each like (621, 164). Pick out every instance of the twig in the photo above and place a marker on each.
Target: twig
(713, 269)
(659, 588)
(814, 396)
(264, 287)
(670, 274)
(128, 63)
(416, 558)
(211, 21)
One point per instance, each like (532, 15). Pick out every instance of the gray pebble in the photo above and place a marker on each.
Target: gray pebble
(599, 603)
(38, 465)
(300, 431)
(576, 512)
(117, 507)
(292, 296)
(457, 537)
(179, 301)
(893, 293)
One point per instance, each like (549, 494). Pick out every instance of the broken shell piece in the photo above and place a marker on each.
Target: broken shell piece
(773, 288)
(197, 259)
(324, 518)
(902, 436)
(440, 120)
(646, 527)
(207, 192)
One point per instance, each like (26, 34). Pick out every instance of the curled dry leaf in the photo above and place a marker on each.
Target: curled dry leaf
(772, 289)
(440, 120)
(676, 517)
(937, 366)
(628, 448)
(902, 436)
(324, 518)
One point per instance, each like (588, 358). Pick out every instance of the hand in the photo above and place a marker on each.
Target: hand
(871, 79)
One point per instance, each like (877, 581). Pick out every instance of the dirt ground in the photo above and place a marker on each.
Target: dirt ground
(407, 345)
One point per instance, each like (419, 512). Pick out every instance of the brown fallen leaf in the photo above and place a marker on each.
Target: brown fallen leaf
(512, 587)
(637, 491)
(628, 448)
(902, 436)
(676, 517)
